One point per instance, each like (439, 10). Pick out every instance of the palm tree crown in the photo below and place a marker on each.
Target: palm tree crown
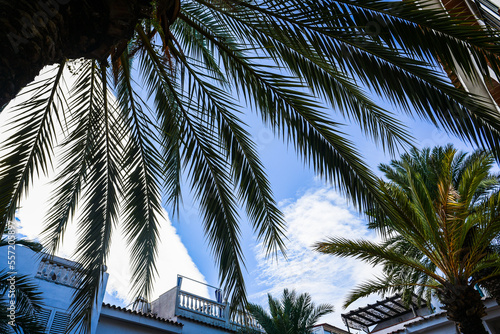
(442, 214)
(292, 314)
(178, 91)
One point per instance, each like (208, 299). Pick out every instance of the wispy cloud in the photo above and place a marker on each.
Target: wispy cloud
(316, 215)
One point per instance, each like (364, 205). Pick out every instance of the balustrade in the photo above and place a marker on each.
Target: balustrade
(244, 320)
(58, 272)
(201, 305)
(211, 308)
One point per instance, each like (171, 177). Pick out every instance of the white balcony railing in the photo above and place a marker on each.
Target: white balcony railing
(204, 306)
(242, 319)
(211, 311)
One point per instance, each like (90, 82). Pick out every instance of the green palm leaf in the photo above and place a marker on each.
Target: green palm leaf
(438, 235)
(28, 151)
(305, 67)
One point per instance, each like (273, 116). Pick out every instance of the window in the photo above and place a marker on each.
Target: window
(54, 322)
(59, 323)
(43, 317)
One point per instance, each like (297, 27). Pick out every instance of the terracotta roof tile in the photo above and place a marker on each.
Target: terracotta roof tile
(147, 315)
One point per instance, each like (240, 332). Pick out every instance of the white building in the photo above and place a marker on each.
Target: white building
(390, 316)
(485, 13)
(174, 312)
(328, 329)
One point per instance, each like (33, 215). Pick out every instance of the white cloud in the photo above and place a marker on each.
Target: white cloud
(316, 215)
(173, 257)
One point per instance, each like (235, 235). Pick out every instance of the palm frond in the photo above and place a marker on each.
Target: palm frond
(410, 84)
(29, 301)
(298, 118)
(78, 150)
(246, 168)
(28, 151)
(141, 193)
(369, 252)
(209, 175)
(99, 208)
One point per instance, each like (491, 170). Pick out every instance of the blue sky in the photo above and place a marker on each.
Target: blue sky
(313, 210)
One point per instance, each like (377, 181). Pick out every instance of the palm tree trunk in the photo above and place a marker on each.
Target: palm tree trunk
(36, 33)
(464, 306)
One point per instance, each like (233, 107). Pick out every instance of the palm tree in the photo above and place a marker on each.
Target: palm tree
(426, 162)
(180, 73)
(292, 314)
(27, 297)
(443, 212)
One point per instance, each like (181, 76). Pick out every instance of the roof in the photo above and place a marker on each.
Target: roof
(147, 315)
(329, 327)
(372, 314)
(402, 326)
(397, 328)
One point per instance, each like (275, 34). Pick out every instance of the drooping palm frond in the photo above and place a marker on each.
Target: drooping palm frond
(78, 152)
(304, 66)
(100, 206)
(91, 179)
(141, 157)
(337, 41)
(28, 152)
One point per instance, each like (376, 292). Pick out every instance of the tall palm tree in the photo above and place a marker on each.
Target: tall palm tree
(427, 163)
(292, 314)
(444, 214)
(180, 73)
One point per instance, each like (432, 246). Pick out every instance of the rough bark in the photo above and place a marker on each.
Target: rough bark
(36, 33)
(464, 306)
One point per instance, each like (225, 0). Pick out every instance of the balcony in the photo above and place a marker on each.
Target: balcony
(179, 303)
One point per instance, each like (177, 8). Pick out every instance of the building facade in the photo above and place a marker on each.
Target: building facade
(391, 316)
(328, 329)
(484, 13)
(174, 312)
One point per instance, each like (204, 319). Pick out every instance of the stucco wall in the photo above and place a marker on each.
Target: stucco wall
(195, 327)
(164, 306)
(56, 297)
